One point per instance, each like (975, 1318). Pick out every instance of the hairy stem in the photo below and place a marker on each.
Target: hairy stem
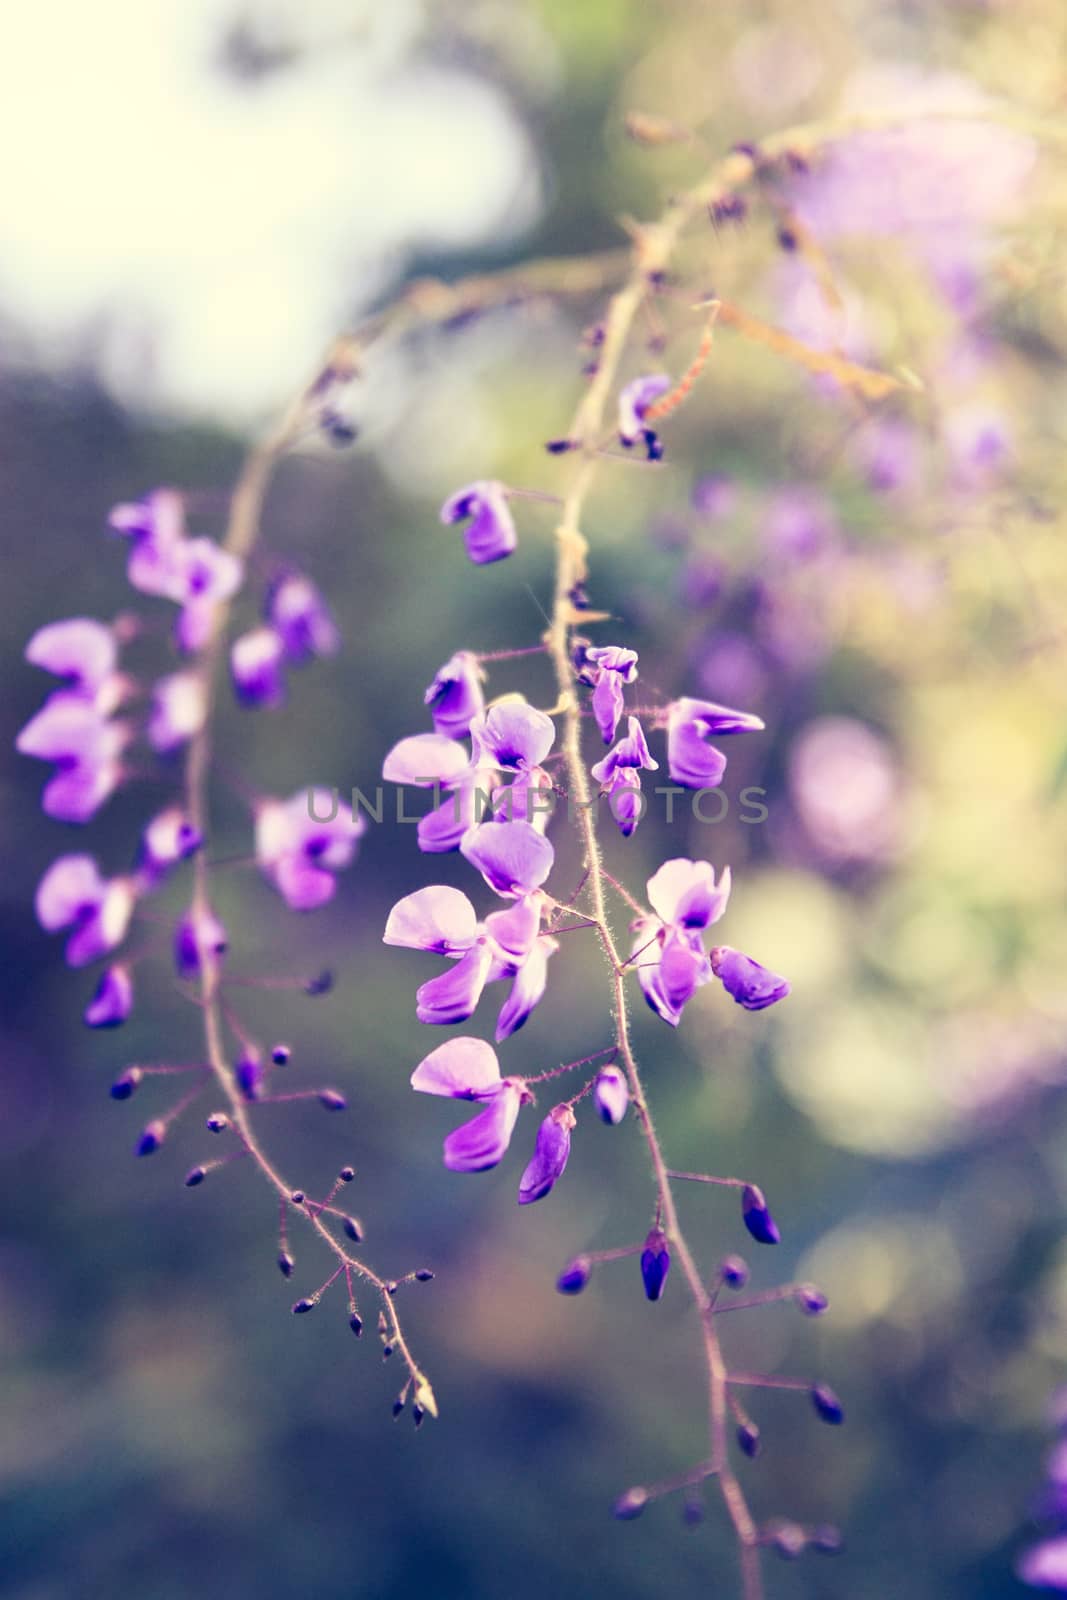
(652, 252)
(241, 536)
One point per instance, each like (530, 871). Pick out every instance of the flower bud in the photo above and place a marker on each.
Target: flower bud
(195, 1176)
(611, 1096)
(828, 1407)
(151, 1138)
(827, 1540)
(352, 1228)
(630, 1505)
(655, 1263)
(757, 1219)
(789, 1539)
(748, 1440)
(249, 1074)
(333, 1100)
(575, 1276)
(217, 1122)
(126, 1082)
(733, 1270)
(304, 1305)
(285, 1263)
(346, 1174)
(810, 1299)
(355, 1322)
(113, 1000)
(281, 1055)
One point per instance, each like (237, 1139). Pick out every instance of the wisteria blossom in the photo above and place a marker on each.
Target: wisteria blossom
(691, 760)
(551, 1153)
(468, 1069)
(297, 612)
(455, 696)
(619, 776)
(612, 667)
(301, 854)
(179, 706)
(634, 403)
(84, 653)
(87, 750)
(490, 532)
(73, 895)
(112, 1002)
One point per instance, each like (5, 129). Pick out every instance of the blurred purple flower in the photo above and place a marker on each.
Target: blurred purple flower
(634, 402)
(490, 533)
(468, 1069)
(301, 854)
(112, 1002)
(257, 660)
(753, 986)
(299, 615)
(72, 894)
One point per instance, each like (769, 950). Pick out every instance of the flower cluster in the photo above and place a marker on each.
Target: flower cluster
(100, 728)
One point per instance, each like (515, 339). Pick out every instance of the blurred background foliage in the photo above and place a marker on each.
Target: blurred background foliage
(886, 588)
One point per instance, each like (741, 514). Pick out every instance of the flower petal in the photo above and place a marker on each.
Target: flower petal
(463, 1068)
(512, 857)
(482, 1141)
(684, 893)
(454, 995)
(437, 918)
(425, 759)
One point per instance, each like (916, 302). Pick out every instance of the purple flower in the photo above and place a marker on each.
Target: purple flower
(80, 650)
(169, 838)
(634, 402)
(455, 695)
(714, 496)
(512, 857)
(113, 1000)
(655, 1263)
(156, 527)
(203, 576)
(198, 934)
(611, 1096)
(468, 1069)
(1044, 1565)
(179, 710)
(618, 772)
(490, 533)
(512, 735)
(549, 1159)
(257, 667)
(614, 666)
(442, 920)
(684, 894)
(671, 962)
(690, 723)
(300, 854)
(73, 895)
(86, 749)
(753, 986)
(301, 618)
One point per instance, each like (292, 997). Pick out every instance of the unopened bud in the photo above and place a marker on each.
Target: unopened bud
(748, 1440)
(195, 1176)
(355, 1322)
(733, 1270)
(757, 1219)
(346, 1174)
(218, 1121)
(281, 1055)
(811, 1300)
(575, 1276)
(322, 983)
(828, 1407)
(151, 1138)
(304, 1305)
(631, 1504)
(353, 1229)
(333, 1100)
(126, 1082)
(655, 1263)
(285, 1263)
(424, 1275)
